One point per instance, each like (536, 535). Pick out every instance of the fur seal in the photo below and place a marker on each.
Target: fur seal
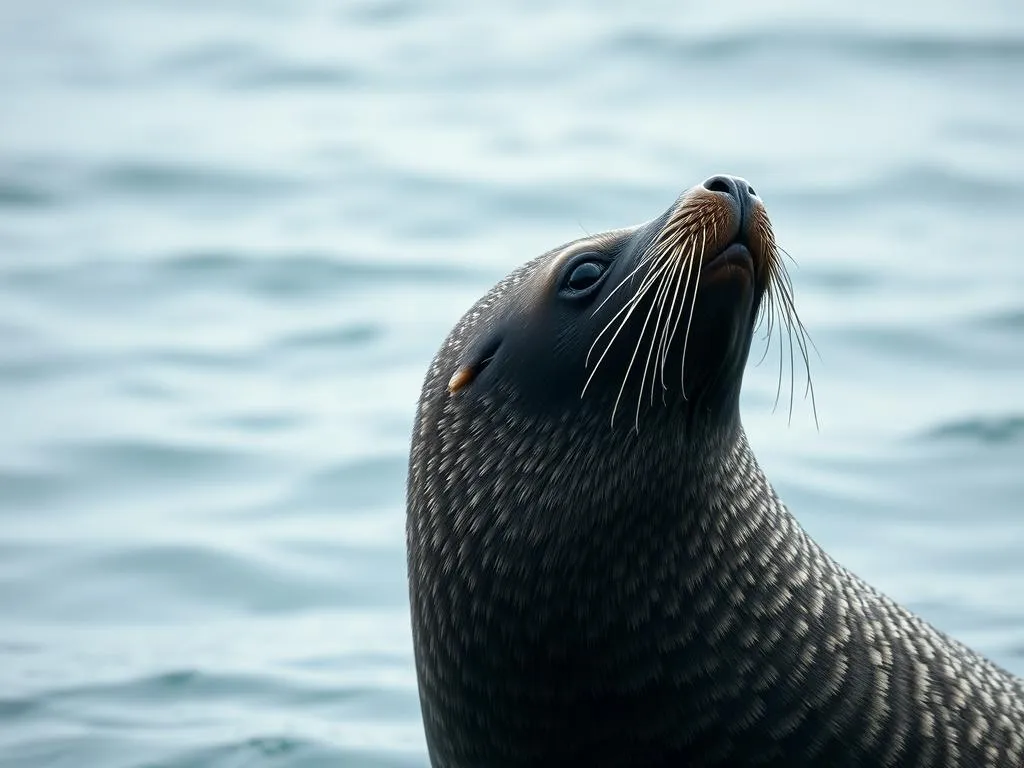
(600, 573)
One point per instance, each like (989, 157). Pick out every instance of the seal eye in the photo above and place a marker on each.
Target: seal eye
(583, 275)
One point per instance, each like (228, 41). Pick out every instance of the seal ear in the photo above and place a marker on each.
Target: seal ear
(479, 357)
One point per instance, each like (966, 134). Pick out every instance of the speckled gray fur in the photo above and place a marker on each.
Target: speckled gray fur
(591, 594)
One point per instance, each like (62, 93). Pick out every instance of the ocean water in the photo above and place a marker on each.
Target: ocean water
(233, 233)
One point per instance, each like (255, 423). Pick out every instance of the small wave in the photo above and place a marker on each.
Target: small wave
(833, 277)
(157, 178)
(149, 751)
(863, 45)
(67, 747)
(242, 66)
(151, 458)
(991, 430)
(377, 12)
(278, 752)
(237, 359)
(172, 685)
(337, 336)
(10, 709)
(33, 368)
(354, 484)
(1010, 320)
(263, 421)
(933, 184)
(300, 274)
(913, 343)
(256, 747)
(188, 573)
(24, 194)
(30, 488)
(293, 76)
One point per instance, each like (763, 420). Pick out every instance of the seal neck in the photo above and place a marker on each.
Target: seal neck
(670, 597)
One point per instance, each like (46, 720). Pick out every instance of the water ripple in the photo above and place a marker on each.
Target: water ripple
(871, 47)
(991, 430)
(156, 179)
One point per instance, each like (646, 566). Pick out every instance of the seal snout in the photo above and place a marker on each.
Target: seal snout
(738, 194)
(743, 232)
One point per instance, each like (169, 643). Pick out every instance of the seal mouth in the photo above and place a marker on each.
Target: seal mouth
(736, 254)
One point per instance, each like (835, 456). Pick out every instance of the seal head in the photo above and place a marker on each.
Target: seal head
(614, 314)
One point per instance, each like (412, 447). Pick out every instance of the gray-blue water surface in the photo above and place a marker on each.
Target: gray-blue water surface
(232, 235)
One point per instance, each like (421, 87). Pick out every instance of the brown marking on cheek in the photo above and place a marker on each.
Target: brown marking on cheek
(461, 378)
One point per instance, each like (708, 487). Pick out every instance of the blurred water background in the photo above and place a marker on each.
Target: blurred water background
(233, 233)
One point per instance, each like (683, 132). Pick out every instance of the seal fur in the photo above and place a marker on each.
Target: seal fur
(601, 574)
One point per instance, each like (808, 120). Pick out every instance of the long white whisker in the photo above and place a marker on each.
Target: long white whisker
(674, 280)
(781, 283)
(636, 350)
(696, 285)
(660, 296)
(647, 257)
(631, 301)
(628, 309)
(681, 302)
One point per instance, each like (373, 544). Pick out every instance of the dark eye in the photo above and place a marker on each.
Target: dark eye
(584, 275)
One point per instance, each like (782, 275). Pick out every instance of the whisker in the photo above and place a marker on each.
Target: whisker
(656, 251)
(795, 262)
(628, 309)
(670, 229)
(782, 285)
(693, 303)
(643, 262)
(680, 303)
(660, 297)
(792, 375)
(676, 309)
(767, 310)
(630, 303)
(632, 359)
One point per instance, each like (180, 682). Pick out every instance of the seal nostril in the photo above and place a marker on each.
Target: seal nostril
(718, 184)
(733, 186)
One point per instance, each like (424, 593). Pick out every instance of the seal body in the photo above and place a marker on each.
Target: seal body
(600, 573)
